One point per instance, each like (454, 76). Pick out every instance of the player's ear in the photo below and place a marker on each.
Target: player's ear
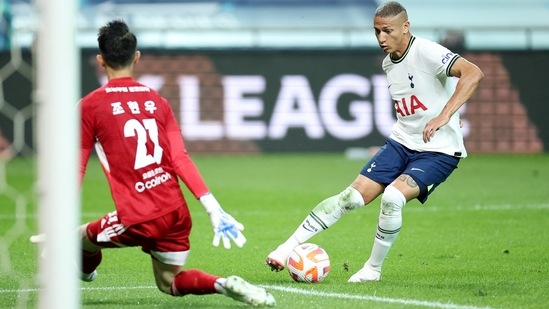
(136, 57)
(406, 26)
(100, 60)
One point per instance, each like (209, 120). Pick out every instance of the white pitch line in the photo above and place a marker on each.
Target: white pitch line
(83, 289)
(409, 302)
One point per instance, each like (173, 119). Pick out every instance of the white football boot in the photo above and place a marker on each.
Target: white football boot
(243, 291)
(276, 260)
(89, 277)
(366, 274)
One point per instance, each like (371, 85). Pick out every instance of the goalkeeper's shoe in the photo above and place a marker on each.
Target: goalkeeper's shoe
(366, 274)
(276, 260)
(89, 277)
(241, 290)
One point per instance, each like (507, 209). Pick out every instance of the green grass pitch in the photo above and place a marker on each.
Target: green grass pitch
(481, 240)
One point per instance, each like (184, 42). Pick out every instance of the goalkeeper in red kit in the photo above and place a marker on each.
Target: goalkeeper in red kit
(139, 144)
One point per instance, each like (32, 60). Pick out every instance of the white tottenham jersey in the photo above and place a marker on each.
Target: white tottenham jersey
(420, 85)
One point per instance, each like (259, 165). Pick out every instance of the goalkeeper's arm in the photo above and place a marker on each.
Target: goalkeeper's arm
(225, 227)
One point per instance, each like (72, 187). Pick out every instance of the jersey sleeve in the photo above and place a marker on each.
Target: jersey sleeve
(438, 59)
(87, 139)
(84, 158)
(183, 164)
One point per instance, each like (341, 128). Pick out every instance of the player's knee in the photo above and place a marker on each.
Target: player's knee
(350, 199)
(392, 201)
(344, 202)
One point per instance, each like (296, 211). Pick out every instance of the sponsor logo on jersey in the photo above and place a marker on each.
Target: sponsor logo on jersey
(447, 57)
(407, 107)
(151, 183)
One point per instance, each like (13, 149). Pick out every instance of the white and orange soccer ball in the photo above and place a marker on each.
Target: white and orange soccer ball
(308, 263)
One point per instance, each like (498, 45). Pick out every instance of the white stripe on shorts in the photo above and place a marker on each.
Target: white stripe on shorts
(171, 258)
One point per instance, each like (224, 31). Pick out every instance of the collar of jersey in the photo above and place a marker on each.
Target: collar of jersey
(412, 39)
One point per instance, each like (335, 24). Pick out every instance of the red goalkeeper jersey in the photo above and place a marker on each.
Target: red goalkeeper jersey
(140, 147)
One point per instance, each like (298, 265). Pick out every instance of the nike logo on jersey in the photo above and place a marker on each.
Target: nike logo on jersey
(417, 169)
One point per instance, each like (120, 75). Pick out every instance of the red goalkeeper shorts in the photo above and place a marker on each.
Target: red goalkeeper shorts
(165, 238)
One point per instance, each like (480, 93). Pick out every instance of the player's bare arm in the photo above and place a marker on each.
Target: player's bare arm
(469, 76)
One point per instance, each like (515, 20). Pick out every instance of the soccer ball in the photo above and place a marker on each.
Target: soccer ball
(308, 263)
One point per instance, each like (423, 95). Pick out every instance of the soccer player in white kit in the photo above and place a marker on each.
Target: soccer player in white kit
(425, 145)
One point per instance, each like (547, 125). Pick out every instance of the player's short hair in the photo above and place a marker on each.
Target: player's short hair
(117, 44)
(390, 9)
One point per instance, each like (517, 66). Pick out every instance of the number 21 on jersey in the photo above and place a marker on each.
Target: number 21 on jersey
(145, 131)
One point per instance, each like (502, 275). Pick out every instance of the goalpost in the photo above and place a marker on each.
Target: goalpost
(58, 90)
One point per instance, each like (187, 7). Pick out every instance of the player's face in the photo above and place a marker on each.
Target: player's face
(391, 33)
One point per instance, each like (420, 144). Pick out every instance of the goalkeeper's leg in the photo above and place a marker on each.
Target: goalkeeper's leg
(91, 256)
(171, 279)
(320, 218)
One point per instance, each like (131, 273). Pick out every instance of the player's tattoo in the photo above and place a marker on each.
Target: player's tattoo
(408, 180)
(411, 182)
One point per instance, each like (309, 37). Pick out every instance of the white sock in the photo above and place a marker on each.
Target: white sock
(318, 221)
(310, 226)
(324, 215)
(389, 224)
(220, 285)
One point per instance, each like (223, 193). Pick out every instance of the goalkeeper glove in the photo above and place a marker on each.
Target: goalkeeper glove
(225, 227)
